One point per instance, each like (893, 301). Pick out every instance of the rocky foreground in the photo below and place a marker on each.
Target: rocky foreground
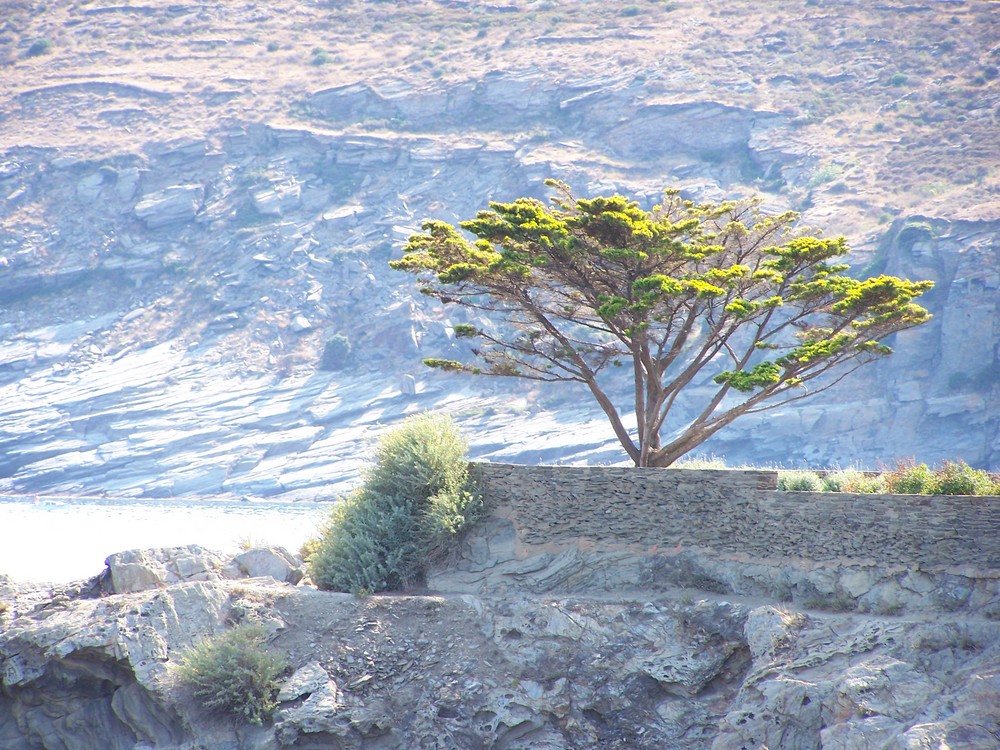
(92, 665)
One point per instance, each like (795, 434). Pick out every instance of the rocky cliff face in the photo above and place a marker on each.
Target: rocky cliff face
(192, 206)
(92, 665)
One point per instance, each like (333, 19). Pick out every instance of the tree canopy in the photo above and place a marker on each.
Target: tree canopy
(744, 310)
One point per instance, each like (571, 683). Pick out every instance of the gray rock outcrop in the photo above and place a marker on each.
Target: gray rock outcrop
(271, 562)
(87, 673)
(268, 291)
(143, 570)
(174, 204)
(140, 570)
(515, 671)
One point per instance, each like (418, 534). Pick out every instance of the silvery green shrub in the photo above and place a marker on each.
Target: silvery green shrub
(414, 500)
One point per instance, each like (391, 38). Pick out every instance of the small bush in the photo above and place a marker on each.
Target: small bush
(247, 543)
(854, 481)
(866, 485)
(835, 481)
(336, 353)
(446, 516)
(839, 602)
(40, 47)
(369, 545)
(958, 478)
(234, 673)
(824, 174)
(414, 501)
(799, 481)
(959, 381)
(425, 455)
(908, 478)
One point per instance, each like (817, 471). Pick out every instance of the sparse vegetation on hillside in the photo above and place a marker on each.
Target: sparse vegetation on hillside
(414, 501)
(909, 93)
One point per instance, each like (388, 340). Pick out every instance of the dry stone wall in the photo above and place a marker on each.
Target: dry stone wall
(741, 512)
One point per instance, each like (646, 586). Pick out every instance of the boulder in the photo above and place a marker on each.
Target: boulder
(329, 716)
(305, 681)
(127, 183)
(274, 562)
(139, 570)
(301, 324)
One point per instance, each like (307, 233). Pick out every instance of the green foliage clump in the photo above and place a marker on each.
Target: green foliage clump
(958, 478)
(799, 481)
(309, 548)
(234, 672)
(909, 479)
(336, 353)
(824, 174)
(40, 47)
(414, 501)
(867, 485)
(367, 545)
(854, 481)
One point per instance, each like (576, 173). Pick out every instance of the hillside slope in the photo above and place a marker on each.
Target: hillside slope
(196, 198)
